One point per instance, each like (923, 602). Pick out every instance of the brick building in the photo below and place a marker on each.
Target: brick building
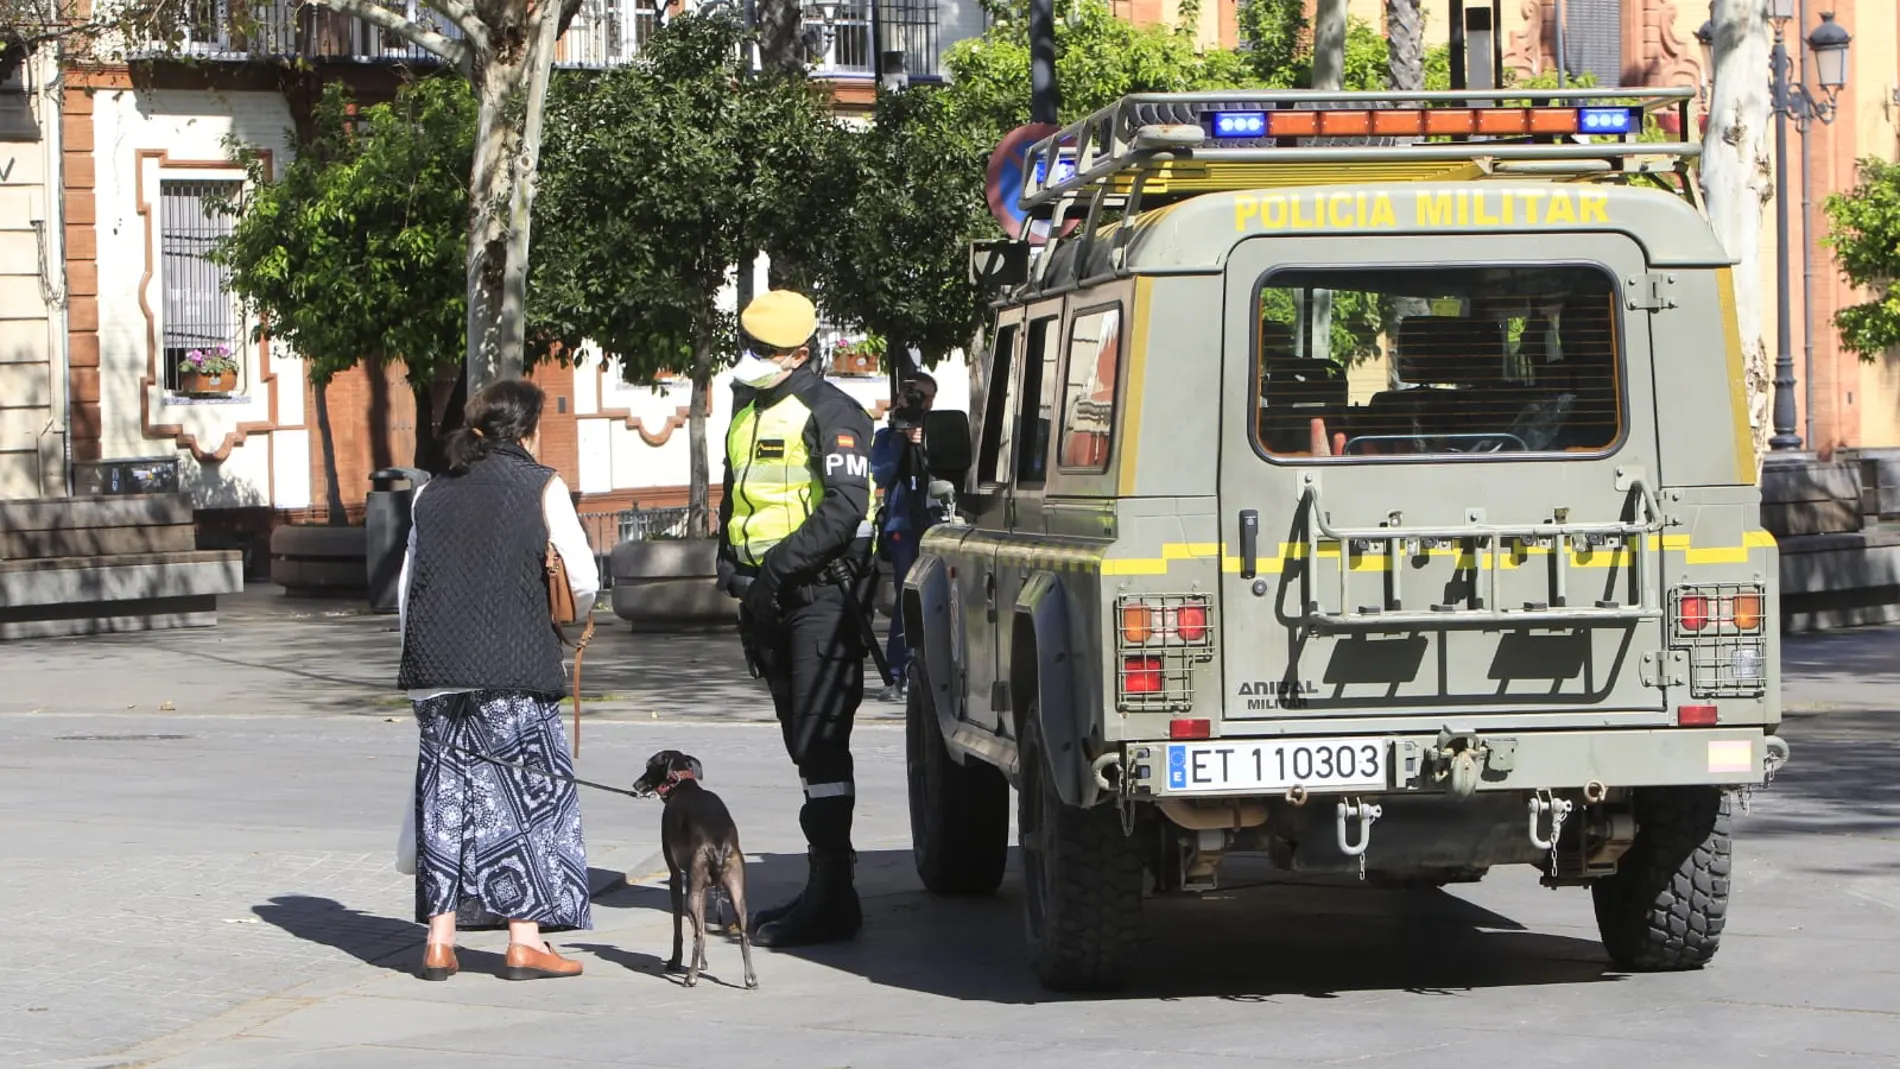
(104, 284)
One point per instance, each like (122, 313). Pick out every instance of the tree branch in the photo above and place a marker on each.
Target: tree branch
(456, 52)
(463, 15)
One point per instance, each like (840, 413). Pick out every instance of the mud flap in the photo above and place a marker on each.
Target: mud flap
(925, 603)
(1042, 657)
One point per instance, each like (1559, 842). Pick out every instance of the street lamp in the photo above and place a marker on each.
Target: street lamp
(1829, 42)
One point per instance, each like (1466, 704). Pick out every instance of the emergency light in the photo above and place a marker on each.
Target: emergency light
(1416, 122)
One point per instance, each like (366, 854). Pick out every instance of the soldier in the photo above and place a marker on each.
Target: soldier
(795, 541)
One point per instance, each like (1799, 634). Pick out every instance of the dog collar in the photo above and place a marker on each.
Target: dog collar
(673, 779)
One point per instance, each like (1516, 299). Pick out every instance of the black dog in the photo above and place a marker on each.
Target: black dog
(701, 844)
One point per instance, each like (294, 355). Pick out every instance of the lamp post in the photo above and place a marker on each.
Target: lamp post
(1828, 43)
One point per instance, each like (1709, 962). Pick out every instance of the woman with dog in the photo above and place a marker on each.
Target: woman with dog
(483, 667)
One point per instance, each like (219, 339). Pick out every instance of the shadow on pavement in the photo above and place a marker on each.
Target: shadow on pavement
(389, 943)
(1255, 941)
(1842, 777)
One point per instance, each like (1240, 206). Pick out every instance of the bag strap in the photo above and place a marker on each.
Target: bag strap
(580, 650)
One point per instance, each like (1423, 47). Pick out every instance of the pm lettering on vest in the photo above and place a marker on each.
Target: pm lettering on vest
(855, 464)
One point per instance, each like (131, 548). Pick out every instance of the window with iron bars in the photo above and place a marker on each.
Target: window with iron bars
(844, 45)
(199, 310)
(607, 33)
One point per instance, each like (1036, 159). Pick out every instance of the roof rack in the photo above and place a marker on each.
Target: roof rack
(1170, 143)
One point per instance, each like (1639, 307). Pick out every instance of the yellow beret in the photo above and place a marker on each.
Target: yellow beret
(781, 319)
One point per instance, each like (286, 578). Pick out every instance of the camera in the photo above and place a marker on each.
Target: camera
(909, 410)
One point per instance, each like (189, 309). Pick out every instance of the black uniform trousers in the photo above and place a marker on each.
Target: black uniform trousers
(812, 658)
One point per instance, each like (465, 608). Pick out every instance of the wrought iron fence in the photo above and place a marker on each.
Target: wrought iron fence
(645, 525)
(604, 33)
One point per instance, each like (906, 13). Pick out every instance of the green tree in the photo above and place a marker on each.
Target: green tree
(354, 254)
(659, 176)
(1864, 232)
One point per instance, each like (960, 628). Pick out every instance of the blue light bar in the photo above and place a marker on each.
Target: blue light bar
(1065, 170)
(1240, 123)
(1604, 120)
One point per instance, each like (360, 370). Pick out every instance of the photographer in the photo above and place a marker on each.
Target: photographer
(897, 462)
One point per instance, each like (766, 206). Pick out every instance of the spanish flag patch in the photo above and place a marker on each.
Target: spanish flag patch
(846, 441)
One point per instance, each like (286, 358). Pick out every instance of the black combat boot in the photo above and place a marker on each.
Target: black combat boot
(827, 912)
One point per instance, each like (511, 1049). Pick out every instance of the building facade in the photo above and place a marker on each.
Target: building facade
(106, 290)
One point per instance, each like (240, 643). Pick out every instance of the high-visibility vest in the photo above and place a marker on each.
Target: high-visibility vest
(775, 486)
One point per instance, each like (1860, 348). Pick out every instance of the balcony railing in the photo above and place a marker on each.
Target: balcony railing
(844, 47)
(605, 33)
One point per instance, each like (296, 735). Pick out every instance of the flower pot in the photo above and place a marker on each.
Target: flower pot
(199, 384)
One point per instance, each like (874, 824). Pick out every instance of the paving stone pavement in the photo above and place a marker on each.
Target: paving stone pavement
(211, 886)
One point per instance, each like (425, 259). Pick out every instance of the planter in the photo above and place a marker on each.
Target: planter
(311, 559)
(670, 582)
(198, 384)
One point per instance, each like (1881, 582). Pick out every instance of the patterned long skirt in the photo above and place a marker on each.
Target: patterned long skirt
(495, 843)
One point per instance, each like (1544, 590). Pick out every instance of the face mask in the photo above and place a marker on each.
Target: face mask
(754, 370)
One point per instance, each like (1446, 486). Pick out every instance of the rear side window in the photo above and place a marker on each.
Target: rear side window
(1088, 403)
(998, 411)
(1038, 402)
(1441, 361)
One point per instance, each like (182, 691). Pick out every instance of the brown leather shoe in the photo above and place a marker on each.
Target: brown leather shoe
(438, 962)
(527, 963)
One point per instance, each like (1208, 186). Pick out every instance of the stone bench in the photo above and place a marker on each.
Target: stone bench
(92, 565)
(1840, 580)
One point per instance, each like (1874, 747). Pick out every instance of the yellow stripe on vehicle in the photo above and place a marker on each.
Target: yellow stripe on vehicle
(1130, 430)
(1745, 466)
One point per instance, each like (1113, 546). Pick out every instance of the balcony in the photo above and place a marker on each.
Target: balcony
(842, 44)
(605, 33)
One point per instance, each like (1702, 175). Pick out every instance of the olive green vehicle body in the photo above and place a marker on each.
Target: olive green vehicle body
(1520, 611)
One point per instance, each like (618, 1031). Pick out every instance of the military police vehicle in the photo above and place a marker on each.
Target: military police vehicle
(1367, 483)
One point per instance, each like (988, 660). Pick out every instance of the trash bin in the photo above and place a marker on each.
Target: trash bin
(386, 529)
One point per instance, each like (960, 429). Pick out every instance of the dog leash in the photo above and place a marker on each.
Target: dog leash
(549, 773)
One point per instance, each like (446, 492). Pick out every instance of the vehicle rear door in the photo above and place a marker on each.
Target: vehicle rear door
(1437, 484)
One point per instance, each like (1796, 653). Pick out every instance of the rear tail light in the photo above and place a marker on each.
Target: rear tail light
(1695, 716)
(1190, 729)
(1137, 623)
(1141, 675)
(1722, 628)
(1190, 622)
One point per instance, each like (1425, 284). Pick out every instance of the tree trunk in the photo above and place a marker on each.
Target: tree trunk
(1737, 180)
(332, 483)
(698, 514)
(1405, 44)
(780, 48)
(1329, 45)
(511, 85)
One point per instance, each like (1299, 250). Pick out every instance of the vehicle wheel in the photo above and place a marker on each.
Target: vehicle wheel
(1081, 882)
(959, 814)
(1664, 907)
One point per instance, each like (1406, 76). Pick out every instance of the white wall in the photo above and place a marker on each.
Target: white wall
(141, 137)
(32, 326)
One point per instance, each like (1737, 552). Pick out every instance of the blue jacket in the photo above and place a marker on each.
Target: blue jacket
(906, 509)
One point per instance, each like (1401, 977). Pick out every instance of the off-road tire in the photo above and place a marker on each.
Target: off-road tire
(959, 814)
(1664, 907)
(1082, 882)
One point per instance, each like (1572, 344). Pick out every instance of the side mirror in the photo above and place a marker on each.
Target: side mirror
(998, 263)
(947, 444)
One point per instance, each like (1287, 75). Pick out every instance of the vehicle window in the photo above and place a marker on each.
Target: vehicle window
(998, 410)
(1088, 402)
(1445, 361)
(1039, 402)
